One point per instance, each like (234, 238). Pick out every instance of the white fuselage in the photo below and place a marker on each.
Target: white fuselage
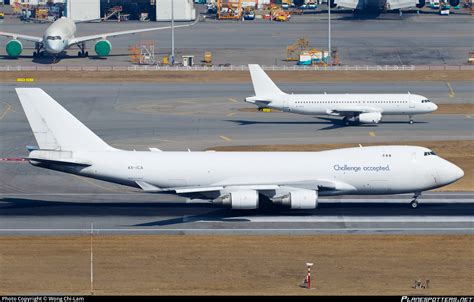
(329, 104)
(57, 37)
(362, 170)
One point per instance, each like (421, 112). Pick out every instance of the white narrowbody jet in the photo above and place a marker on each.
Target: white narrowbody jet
(61, 35)
(361, 108)
(383, 5)
(239, 180)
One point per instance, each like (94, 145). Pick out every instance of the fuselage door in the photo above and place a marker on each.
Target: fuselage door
(285, 106)
(411, 101)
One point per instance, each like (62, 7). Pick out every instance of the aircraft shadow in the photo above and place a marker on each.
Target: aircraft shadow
(335, 123)
(186, 213)
(47, 59)
(372, 209)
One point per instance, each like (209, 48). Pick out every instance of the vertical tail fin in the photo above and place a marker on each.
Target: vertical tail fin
(262, 84)
(54, 127)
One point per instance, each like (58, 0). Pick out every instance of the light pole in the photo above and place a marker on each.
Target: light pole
(329, 32)
(172, 32)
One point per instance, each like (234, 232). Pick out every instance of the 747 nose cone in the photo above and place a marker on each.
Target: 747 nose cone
(450, 173)
(457, 172)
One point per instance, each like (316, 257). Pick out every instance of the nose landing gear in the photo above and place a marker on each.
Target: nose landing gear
(411, 120)
(414, 202)
(38, 50)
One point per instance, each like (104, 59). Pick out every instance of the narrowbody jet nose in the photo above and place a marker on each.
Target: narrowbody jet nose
(54, 47)
(434, 107)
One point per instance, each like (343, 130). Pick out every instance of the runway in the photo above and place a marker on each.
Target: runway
(140, 213)
(388, 40)
(201, 116)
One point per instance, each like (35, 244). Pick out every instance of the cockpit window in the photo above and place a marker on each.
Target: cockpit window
(54, 38)
(426, 101)
(429, 153)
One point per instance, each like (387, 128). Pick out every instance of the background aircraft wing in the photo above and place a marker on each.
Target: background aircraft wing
(21, 37)
(351, 111)
(121, 33)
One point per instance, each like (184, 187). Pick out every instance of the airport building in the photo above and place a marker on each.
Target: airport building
(118, 10)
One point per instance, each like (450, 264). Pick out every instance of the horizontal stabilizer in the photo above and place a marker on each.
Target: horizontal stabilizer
(34, 160)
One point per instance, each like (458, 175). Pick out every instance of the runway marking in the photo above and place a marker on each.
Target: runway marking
(231, 114)
(233, 100)
(187, 102)
(4, 113)
(468, 116)
(167, 141)
(451, 91)
(186, 113)
(225, 138)
(372, 133)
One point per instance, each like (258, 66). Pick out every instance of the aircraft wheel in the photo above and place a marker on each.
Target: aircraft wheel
(414, 204)
(79, 54)
(345, 121)
(86, 54)
(35, 54)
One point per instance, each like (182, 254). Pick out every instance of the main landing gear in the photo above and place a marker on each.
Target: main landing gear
(83, 53)
(414, 202)
(38, 54)
(345, 120)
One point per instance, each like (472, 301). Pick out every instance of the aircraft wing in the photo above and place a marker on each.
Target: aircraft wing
(21, 37)
(354, 111)
(121, 33)
(327, 185)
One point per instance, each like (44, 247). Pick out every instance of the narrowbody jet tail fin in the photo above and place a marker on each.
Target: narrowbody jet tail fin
(54, 127)
(262, 84)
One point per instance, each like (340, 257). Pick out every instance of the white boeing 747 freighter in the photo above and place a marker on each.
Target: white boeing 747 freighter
(361, 108)
(239, 180)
